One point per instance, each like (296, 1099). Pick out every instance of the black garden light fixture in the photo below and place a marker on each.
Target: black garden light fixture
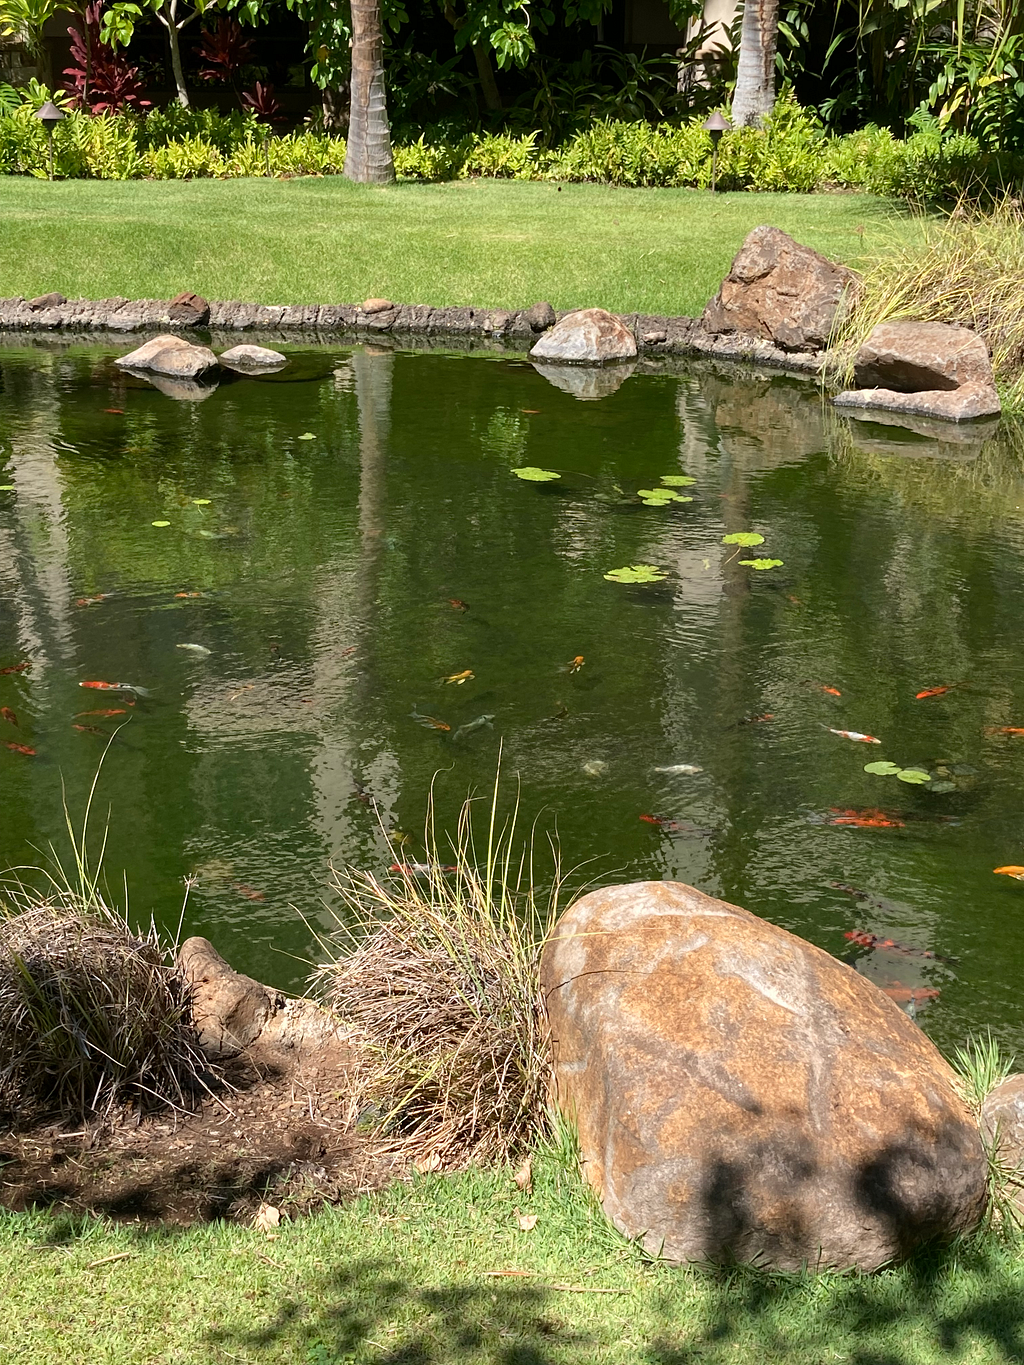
(716, 125)
(49, 116)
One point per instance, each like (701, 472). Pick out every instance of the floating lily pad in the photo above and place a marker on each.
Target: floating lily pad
(917, 777)
(161, 523)
(307, 436)
(532, 474)
(941, 786)
(201, 502)
(659, 497)
(883, 768)
(677, 480)
(761, 563)
(743, 538)
(6, 487)
(636, 573)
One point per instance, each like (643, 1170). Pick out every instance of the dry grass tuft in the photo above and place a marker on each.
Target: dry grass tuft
(441, 975)
(92, 1016)
(967, 269)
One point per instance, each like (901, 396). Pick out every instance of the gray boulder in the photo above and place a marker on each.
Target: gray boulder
(780, 291)
(252, 359)
(590, 336)
(962, 404)
(170, 355)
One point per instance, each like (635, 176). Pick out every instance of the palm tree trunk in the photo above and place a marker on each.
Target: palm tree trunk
(754, 97)
(368, 155)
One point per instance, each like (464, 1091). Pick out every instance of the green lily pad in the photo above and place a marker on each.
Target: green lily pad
(917, 777)
(882, 768)
(743, 538)
(161, 523)
(201, 502)
(761, 563)
(659, 497)
(307, 436)
(636, 573)
(532, 474)
(677, 480)
(943, 786)
(6, 487)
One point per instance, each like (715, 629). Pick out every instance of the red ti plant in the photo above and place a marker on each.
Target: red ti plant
(263, 102)
(225, 50)
(99, 79)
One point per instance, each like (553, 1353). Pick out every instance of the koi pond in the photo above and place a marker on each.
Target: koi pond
(325, 588)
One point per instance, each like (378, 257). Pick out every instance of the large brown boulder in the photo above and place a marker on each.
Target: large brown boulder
(1002, 1122)
(590, 336)
(741, 1095)
(188, 310)
(779, 290)
(914, 357)
(963, 404)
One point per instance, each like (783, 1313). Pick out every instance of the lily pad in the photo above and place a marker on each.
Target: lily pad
(883, 768)
(201, 502)
(660, 497)
(761, 563)
(161, 523)
(636, 573)
(532, 474)
(307, 436)
(743, 538)
(677, 480)
(6, 487)
(917, 777)
(942, 786)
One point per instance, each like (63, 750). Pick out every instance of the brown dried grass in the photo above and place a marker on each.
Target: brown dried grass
(441, 976)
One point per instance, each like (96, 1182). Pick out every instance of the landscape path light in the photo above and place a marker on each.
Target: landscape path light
(716, 125)
(49, 116)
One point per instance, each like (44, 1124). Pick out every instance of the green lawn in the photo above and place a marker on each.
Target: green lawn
(403, 1277)
(484, 242)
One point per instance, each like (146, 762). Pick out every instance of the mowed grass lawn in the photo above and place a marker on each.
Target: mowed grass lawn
(440, 1272)
(482, 243)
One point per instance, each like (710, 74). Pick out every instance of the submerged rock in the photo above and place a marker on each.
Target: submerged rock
(252, 359)
(170, 355)
(586, 382)
(741, 1095)
(590, 336)
(781, 291)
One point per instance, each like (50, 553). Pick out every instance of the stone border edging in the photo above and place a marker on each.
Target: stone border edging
(655, 335)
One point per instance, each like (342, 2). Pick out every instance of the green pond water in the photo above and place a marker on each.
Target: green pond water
(328, 515)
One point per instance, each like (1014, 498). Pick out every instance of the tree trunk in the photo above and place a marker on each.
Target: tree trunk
(368, 156)
(335, 106)
(179, 75)
(489, 86)
(754, 97)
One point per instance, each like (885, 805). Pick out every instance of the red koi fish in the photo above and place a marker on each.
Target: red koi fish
(106, 711)
(866, 940)
(9, 716)
(248, 892)
(457, 604)
(676, 826)
(864, 819)
(89, 729)
(933, 692)
(989, 729)
(421, 869)
(189, 594)
(15, 668)
(115, 687)
(856, 735)
(115, 412)
(19, 748)
(90, 601)
(911, 995)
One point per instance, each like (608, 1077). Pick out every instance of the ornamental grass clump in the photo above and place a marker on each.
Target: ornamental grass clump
(92, 1016)
(966, 269)
(440, 973)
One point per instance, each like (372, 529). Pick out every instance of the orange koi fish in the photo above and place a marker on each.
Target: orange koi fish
(248, 892)
(116, 412)
(832, 691)
(866, 940)
(115, 687)
(422, 869)
(576, 664)
(855, 735)
(933, 692)
(9, 716)
(911, 995)
(1004, 729)
(19, 748)
(530, 412)
(189, 594)
(106, 711)
(15, 668)
(457, 604)
(1011, 870)
(89, 729)
(429, 722)
(864, 819)
(90, 601)
(459, 678)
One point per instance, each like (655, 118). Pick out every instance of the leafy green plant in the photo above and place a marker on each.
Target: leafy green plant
(744, 538)
(762, 564)
(636, 573)
(677, 480)
(532, 474)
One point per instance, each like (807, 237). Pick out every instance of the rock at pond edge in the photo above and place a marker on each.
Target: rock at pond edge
(170, 355)
(741, 1095)
(590, 336)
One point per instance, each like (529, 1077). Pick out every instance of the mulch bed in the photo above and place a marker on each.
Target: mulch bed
(286, 1138)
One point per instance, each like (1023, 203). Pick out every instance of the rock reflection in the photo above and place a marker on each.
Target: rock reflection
(586, 382)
